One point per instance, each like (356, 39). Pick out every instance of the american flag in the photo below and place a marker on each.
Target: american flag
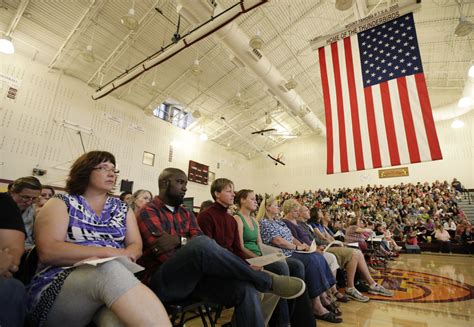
(377, 108)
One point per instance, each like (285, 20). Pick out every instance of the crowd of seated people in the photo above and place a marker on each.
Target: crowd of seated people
(404, 213)
(205, 257)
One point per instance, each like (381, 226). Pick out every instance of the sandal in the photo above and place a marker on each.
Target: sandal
(329, 317)
(342, 297)
(334, 309)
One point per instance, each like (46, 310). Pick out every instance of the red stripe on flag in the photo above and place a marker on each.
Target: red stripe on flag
(340, 108)
(412, 142)
(389, 125)
(354, 106)
(428, 117)
(374, 139)
(327, 111)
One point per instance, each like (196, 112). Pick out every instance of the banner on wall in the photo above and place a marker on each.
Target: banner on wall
(377, 109)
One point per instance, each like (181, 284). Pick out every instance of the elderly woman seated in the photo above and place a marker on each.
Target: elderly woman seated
(87, 223)
(318, 276)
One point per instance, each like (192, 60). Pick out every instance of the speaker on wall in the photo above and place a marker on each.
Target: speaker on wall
(126, 186)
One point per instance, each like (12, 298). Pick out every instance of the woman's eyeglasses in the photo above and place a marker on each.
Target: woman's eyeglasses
(107, 169)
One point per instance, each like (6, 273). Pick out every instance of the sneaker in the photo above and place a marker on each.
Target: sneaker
(354, 294)
(379, 290)
(286, 287)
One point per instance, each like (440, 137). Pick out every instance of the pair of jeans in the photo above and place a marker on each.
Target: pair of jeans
(204, 269)
(297, 312)
(12, 302)
(318, 275)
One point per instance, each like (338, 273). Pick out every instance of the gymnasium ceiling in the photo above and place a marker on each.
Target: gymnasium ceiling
(56, 33)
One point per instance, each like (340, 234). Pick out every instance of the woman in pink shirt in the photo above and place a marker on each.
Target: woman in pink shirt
(442, 236)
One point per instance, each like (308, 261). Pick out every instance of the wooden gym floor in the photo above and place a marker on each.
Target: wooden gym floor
(431, 290)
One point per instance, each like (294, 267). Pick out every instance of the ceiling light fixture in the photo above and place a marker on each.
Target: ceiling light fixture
(196, 68)
(268, 119)
(6, 45)
(88, 54)
(238, 99)
(196, 114)
(465, 102)
(291, 83)
(129, 20)
(457, 123)
(343, 4)
(153, 83)
(464, 27)
(203, 137)
(470, 73)
(256, 42)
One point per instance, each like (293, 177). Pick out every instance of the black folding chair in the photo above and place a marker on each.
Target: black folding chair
(197, 308)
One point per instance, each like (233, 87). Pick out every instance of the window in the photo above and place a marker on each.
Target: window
(174, 114)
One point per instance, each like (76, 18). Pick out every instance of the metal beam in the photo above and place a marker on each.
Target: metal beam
(126, 42)
(80, 26)
(16, 19)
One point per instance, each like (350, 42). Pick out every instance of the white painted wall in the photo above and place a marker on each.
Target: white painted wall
(30, 137)
(305, 168)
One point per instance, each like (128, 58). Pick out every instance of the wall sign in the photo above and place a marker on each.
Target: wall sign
(393, 172)
(198, 173)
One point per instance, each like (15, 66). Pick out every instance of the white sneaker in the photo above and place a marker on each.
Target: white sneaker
(379, 290)
(354, 294)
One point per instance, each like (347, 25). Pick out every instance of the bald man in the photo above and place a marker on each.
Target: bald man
(181, 263)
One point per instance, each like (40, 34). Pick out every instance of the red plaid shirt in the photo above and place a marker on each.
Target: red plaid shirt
(155, 219)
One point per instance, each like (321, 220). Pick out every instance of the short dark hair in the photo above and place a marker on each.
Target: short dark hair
(205, 204)
(81, 169)
(49, 187)
(30, 182)
(218, 185)
(240, 195)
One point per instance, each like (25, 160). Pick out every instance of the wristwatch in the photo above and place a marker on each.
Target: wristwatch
(183, 240)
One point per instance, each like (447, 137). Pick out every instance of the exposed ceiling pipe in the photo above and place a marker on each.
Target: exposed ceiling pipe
(238, 42)
(452, 110)
(197, 34)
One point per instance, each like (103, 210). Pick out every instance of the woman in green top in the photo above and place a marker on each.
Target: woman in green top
(250, 241)
(249, 232)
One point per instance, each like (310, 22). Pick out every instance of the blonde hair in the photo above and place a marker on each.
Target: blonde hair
(135, 196)
(262, 210)
(289, 205)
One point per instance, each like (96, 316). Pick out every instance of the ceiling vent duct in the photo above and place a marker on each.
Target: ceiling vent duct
(232, 36)
(255, 54)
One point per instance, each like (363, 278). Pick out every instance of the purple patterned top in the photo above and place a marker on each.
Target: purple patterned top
(85, 228)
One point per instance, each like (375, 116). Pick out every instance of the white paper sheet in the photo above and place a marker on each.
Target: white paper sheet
(266, 259)
(312, 248)
(130, 265)
(354, 245)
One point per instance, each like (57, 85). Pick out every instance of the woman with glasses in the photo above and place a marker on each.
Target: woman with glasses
(85, 223)
(25, 191)
(140, 199)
